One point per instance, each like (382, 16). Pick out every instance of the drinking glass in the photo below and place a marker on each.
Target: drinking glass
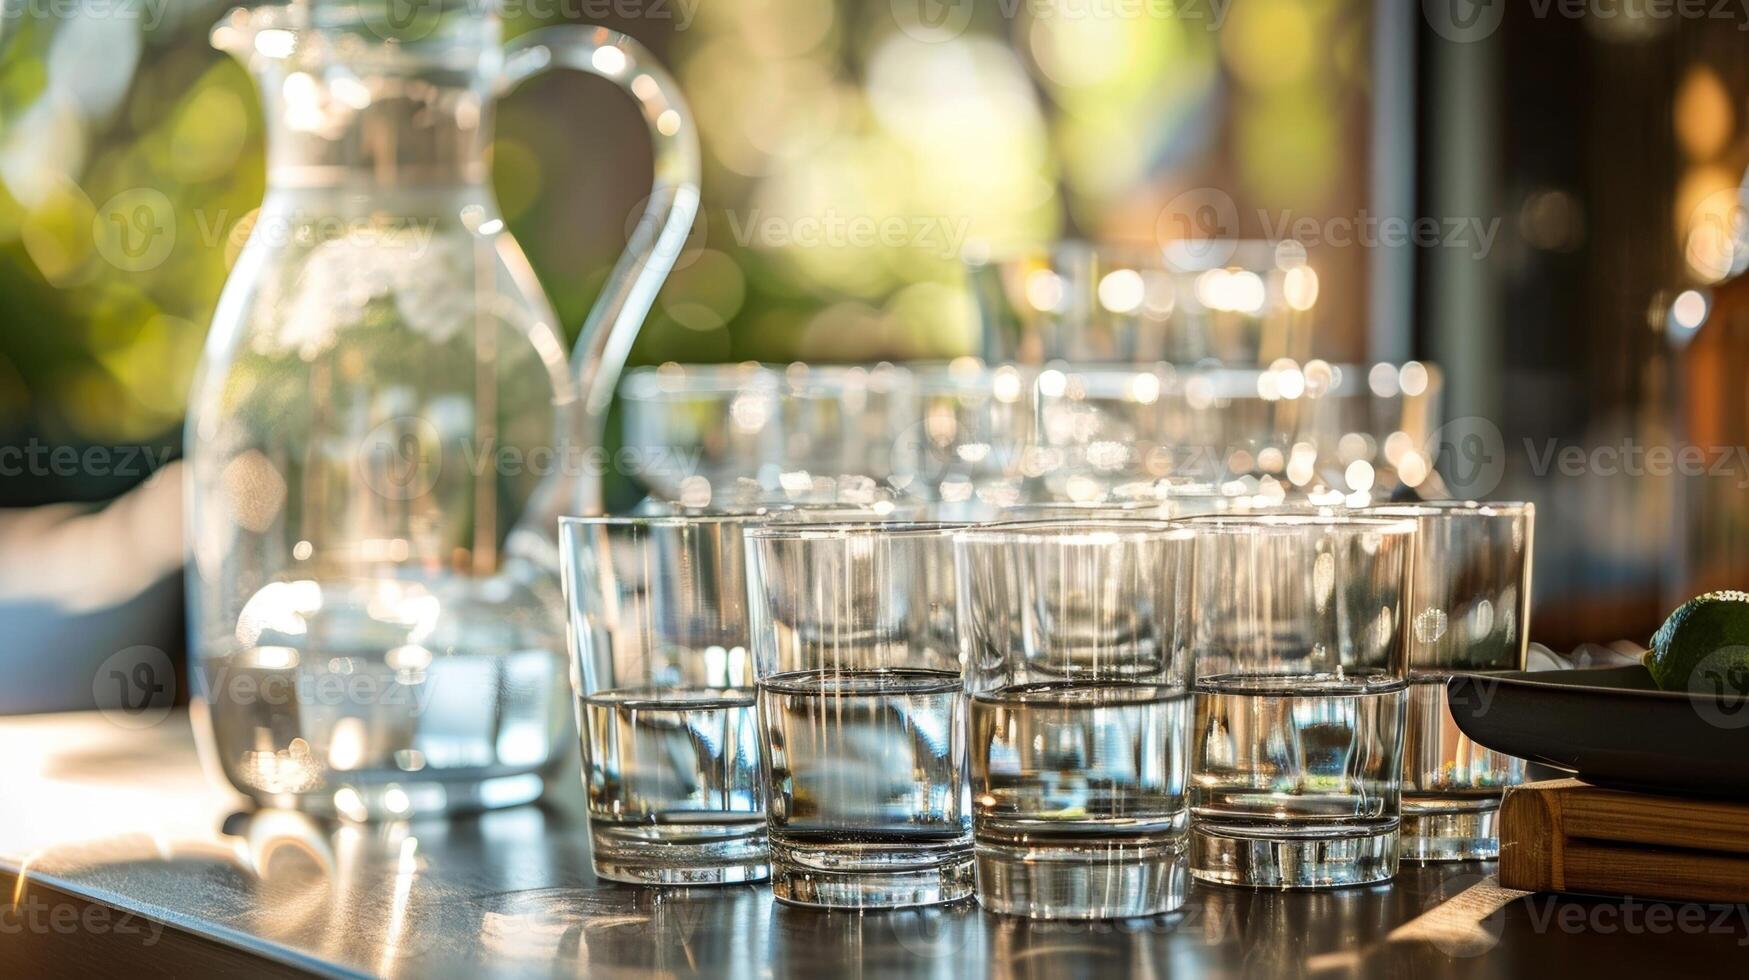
(1471, 614)
(702, 432)
(862, 727)
(973, 431)
(841, 427)
(1239, 303)
(741, 436)
(659, 637)
(1371, 428)
(1103, 431)
(1243, 302)
(1361, 432)
(1299, 629)
(1227, 423)
(1079, 718)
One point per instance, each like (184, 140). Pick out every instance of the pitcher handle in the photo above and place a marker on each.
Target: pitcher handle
(661, 231)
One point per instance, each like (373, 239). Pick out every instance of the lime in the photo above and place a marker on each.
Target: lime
(1711, 630)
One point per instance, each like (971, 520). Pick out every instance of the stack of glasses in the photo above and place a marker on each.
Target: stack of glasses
(1071, 716)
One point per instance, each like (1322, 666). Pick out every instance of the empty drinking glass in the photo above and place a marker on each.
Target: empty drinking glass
(658, 610)
(741, 436)
(1080, 716)
(861, 714)
(700, 434)
(1471, 614)
(1241, 303)
(842, 426)
(1101, 432)
(1298, 625)
(1361, 432)
(973, 427)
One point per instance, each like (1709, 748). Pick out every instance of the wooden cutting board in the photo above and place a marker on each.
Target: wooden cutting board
(1567, 836)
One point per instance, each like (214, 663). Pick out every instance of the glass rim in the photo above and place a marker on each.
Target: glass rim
(776, 510)
(1170, 256)
(1105, 530)
(839, 530)
(1347, 380)
(678, 374)
(1289, 521)
(659, 520)
(866, 518)
(831, 369)
(967, 373)
(1451, 508)
(1070, 506)
(671, 378)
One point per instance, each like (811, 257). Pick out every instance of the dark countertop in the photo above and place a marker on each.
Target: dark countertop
(113, 844)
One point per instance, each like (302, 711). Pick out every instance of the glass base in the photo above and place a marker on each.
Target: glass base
(634, 856)
(1312, 857)
(846, 876)
(1453, 835)
(1090, 880)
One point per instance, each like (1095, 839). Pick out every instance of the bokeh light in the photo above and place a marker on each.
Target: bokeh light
(850, 167)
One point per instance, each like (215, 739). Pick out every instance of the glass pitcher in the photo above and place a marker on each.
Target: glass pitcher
(384, 427)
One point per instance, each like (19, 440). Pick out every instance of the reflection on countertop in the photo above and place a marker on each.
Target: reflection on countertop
(126, 818)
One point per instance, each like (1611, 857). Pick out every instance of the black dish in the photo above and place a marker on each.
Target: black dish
(1612, 727)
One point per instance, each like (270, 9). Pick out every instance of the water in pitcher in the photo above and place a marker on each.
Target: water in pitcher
(374, 595)
(385, 698)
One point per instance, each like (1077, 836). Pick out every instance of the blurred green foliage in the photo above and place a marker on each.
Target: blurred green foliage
(853, 158)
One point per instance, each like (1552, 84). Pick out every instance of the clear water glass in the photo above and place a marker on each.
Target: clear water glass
(743, 436)
(862, 719)
(842, 427)
(1102, 433)
(1239, 303)
(1472, 615)
(969, 441)
(1160, 501)
(659, 637)
(1080, 716)
(700, 433)
(1373, 427)
(1306, 426)
(1298, 625)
